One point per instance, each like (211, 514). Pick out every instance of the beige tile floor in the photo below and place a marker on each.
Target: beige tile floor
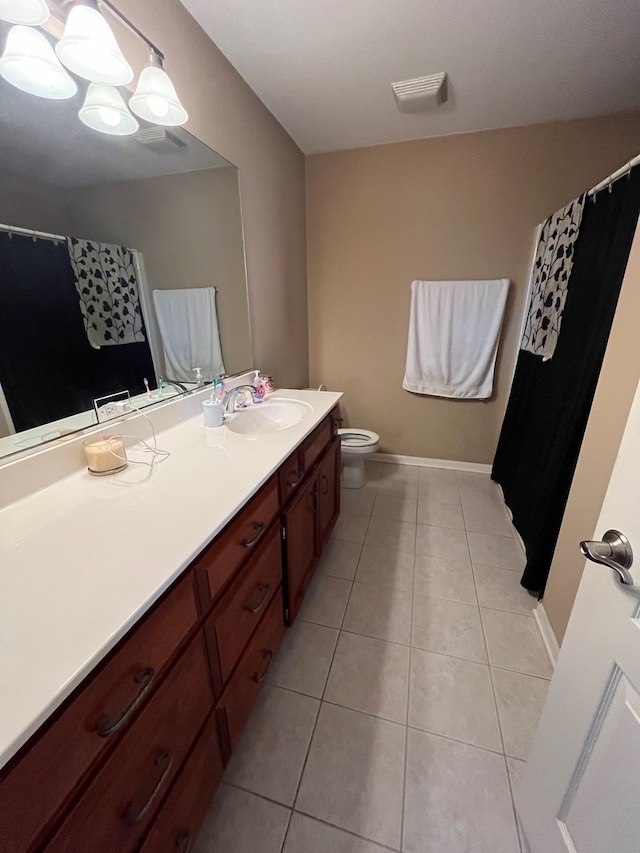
(402, 704)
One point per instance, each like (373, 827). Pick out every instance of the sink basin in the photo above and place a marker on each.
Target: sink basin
(273, 416)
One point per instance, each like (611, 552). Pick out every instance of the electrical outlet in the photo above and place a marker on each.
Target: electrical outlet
(110, 407)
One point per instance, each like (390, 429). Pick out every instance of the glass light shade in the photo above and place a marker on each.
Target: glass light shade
(104, 110)
(89, 49)
(155, 98)
(30, 64)
(27, 12)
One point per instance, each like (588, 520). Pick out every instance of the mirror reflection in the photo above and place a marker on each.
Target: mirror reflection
(121, 268)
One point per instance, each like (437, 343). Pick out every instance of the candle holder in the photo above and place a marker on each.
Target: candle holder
(105, 455)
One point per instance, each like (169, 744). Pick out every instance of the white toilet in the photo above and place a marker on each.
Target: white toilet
(356, 445)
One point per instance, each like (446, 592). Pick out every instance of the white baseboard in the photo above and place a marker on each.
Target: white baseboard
(546, 631)
(424, 462)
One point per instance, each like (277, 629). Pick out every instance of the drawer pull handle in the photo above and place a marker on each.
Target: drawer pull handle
(260, 677)
(104, 727)
(325, 484)
(164, 762)
(265, 589)
(260, 526)
(183, 841)
(293, 481)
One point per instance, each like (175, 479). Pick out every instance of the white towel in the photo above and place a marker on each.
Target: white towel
(190, 336)
(453, 337)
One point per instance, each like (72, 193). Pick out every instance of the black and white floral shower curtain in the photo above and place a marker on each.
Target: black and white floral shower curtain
(107, 285)
(550, 274)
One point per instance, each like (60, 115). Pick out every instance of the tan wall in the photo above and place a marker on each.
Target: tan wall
(614, 394)
(457, 207)
(189, 229)
(30, 203)
(226, 115)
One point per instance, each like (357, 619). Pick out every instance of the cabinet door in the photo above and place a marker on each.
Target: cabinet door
(328, 493)
(300, 522)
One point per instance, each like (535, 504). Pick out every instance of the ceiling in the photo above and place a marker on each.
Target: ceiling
(324, 67)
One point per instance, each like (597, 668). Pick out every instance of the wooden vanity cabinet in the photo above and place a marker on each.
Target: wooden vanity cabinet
(133, 758)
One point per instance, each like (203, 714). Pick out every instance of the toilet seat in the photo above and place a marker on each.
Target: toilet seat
(358, 440)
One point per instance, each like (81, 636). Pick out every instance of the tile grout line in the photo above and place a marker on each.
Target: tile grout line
(406, 728)
(348, 832)
(324, 689)
(495, 702)
(513, 803)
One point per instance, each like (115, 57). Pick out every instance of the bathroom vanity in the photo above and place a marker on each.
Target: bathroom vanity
(138, 727)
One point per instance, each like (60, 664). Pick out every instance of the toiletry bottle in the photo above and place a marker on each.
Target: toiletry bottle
(199, 377)
(258, 385)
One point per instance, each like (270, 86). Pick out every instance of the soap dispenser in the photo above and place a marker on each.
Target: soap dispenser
(259, 389)
(199, 378)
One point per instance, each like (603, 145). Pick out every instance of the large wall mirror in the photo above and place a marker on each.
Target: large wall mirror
(162, 208)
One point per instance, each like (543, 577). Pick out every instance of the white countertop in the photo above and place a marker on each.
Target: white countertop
(83, 559)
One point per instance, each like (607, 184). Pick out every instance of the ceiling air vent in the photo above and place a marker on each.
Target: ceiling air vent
(159, 140)
(422, 93)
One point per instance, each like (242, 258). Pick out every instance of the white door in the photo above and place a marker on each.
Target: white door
(581, 787)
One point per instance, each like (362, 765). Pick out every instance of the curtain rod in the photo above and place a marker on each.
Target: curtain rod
(29, 232)
(614, 176)
(45, 235)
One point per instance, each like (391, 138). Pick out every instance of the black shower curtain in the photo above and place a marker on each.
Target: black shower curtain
(48, 370)
(550, 401)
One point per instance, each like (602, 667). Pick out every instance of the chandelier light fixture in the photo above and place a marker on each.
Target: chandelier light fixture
(89, 50)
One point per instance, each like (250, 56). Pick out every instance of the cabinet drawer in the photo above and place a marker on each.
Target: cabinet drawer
(123, 797)
(290, 475)
(235, 618)
(220, 561)
(316, 443)
(32, 793)
(178, 823)
(240, 694)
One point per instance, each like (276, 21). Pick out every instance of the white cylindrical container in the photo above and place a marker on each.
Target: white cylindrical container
(213, 413)
(105, 455)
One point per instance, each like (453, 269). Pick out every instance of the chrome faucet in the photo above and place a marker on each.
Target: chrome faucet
(177, 386)
(230, 402)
